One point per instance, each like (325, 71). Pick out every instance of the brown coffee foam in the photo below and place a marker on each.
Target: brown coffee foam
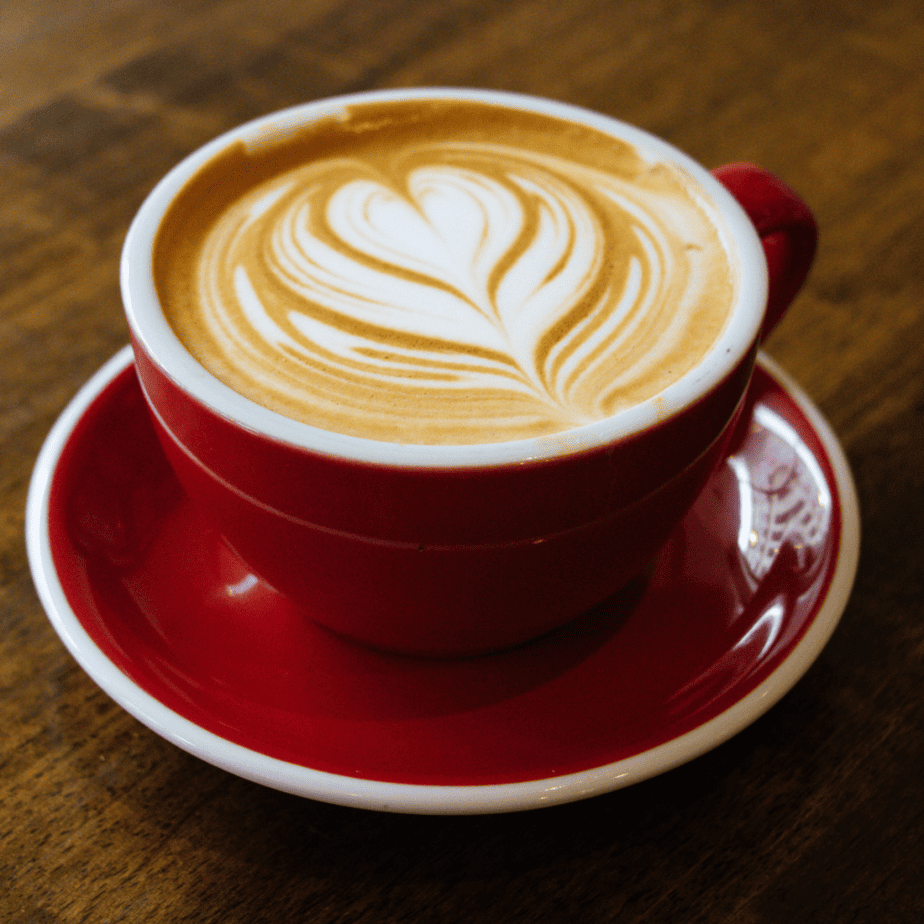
(350, 394)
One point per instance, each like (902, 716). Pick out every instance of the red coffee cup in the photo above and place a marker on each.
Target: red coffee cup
(458, 550)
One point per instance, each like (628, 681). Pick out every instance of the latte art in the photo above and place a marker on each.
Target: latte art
(443, 277)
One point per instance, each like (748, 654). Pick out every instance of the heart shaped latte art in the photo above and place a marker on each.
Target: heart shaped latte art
(460, 293)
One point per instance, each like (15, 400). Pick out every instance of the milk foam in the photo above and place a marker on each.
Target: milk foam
(437, 286)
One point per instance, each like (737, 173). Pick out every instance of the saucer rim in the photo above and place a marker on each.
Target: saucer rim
(422, 798)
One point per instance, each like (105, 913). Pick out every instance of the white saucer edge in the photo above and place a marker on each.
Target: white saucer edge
(413, 798)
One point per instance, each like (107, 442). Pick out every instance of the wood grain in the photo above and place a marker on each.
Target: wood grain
(816, 812)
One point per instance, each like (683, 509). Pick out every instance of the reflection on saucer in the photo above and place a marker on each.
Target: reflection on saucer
(784, 498)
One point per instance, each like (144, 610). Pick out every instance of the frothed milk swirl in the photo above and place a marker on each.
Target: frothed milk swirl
(443, 272)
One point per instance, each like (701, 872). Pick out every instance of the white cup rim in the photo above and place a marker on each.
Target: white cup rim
(155, 336)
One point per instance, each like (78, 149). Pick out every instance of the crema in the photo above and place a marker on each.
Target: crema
(444, 272)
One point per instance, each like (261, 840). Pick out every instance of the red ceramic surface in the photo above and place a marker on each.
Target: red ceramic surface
(445, 561)
(165, 601)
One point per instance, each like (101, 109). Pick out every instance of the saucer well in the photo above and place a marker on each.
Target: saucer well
(160, 612)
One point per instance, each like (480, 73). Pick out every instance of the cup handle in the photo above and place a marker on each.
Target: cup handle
(786, 227)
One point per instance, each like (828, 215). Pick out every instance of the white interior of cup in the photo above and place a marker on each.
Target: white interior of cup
(152, 330)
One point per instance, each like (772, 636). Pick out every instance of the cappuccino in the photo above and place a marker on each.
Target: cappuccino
(444, 271)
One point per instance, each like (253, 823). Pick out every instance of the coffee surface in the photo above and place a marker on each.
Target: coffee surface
(443, 272)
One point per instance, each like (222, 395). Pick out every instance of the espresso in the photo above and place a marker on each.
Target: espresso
(443, 272)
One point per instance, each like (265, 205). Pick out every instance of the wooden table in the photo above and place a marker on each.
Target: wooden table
(815, 812)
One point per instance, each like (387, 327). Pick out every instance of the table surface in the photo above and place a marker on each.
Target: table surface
(813, 813)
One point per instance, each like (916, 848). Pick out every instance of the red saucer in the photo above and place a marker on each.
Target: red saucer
(166, 618)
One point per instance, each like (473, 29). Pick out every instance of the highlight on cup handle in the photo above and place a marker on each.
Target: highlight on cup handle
(786, 227)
